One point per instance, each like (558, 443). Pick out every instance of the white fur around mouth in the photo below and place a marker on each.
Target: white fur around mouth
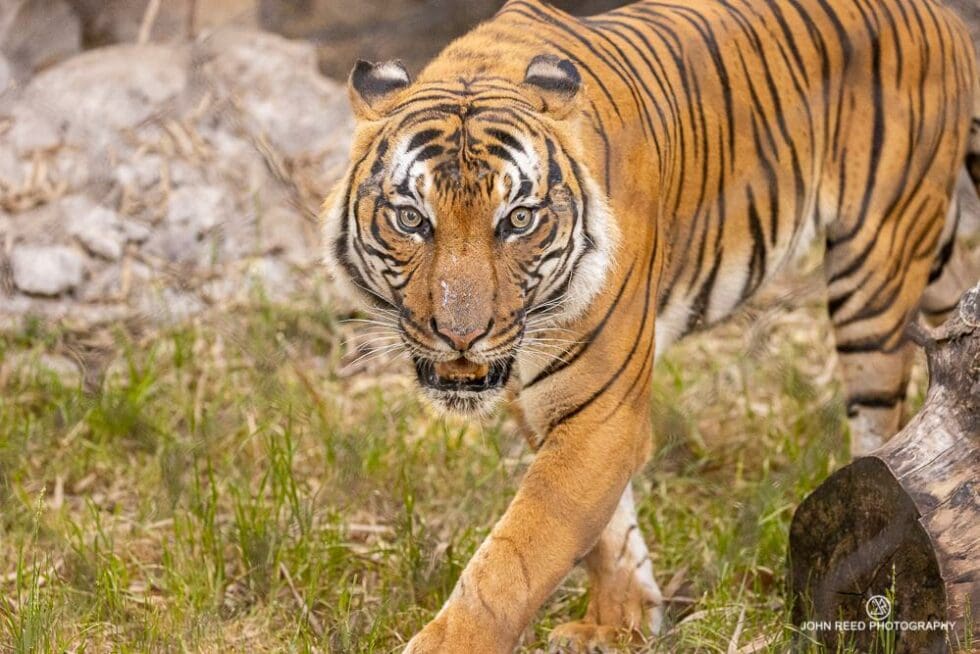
(467, 404)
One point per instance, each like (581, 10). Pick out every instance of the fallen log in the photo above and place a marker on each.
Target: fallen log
(885, 554)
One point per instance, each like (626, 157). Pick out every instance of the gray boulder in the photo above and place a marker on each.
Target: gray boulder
(274, 83)
(88, 99)
(99, 229)
(46, 270)
(156, 180)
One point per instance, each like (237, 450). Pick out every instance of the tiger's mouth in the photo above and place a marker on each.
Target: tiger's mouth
(462, 375)
(463, 386)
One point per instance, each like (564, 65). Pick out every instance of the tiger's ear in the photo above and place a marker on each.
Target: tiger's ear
(556, 81)
(370, 85)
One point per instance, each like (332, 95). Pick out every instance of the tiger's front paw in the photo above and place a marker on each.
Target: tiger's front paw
(584, 638)
(625, 619)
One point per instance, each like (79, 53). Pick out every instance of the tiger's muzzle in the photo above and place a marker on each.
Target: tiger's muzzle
(463, 386)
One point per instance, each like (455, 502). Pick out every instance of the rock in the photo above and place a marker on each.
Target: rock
(107, 286)
(35, 34)
(103, 285)
(30, 131)
(11, 168)
(275, 81)
(77, 169)
(42, 225)
(89, 98)
(198, 208)
(135, 232)
(177, 246)
(46, 270)
(140, 174)
(189, 233)
(98, 229)
(167, 152)
(101, 243)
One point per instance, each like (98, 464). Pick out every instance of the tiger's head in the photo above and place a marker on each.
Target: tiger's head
(467, 223)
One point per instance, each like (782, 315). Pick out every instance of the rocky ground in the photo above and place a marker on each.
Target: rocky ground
(189, 179)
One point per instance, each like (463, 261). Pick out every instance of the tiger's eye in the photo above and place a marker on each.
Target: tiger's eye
(409, 219)
(520, 218)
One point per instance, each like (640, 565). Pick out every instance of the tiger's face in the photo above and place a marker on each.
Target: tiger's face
(467, 226)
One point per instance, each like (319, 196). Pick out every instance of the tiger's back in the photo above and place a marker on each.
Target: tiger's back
(743, 127)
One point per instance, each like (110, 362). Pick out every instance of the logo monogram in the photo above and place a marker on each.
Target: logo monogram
(878, 607)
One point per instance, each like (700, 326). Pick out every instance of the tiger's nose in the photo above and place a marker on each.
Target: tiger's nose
(460, 340)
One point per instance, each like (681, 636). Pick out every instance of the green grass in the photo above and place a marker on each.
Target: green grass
(218, 486)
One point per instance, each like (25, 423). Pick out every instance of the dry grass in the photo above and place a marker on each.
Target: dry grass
(220, 487)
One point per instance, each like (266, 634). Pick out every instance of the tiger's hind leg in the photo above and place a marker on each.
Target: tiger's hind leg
(624, 596)
(876, 275)
(955, 270)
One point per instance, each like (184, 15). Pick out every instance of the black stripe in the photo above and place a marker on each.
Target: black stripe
(561, 364)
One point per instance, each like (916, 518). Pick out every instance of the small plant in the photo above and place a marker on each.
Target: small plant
(27, 617)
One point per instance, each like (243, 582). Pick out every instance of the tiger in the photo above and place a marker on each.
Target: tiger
(597, 188)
